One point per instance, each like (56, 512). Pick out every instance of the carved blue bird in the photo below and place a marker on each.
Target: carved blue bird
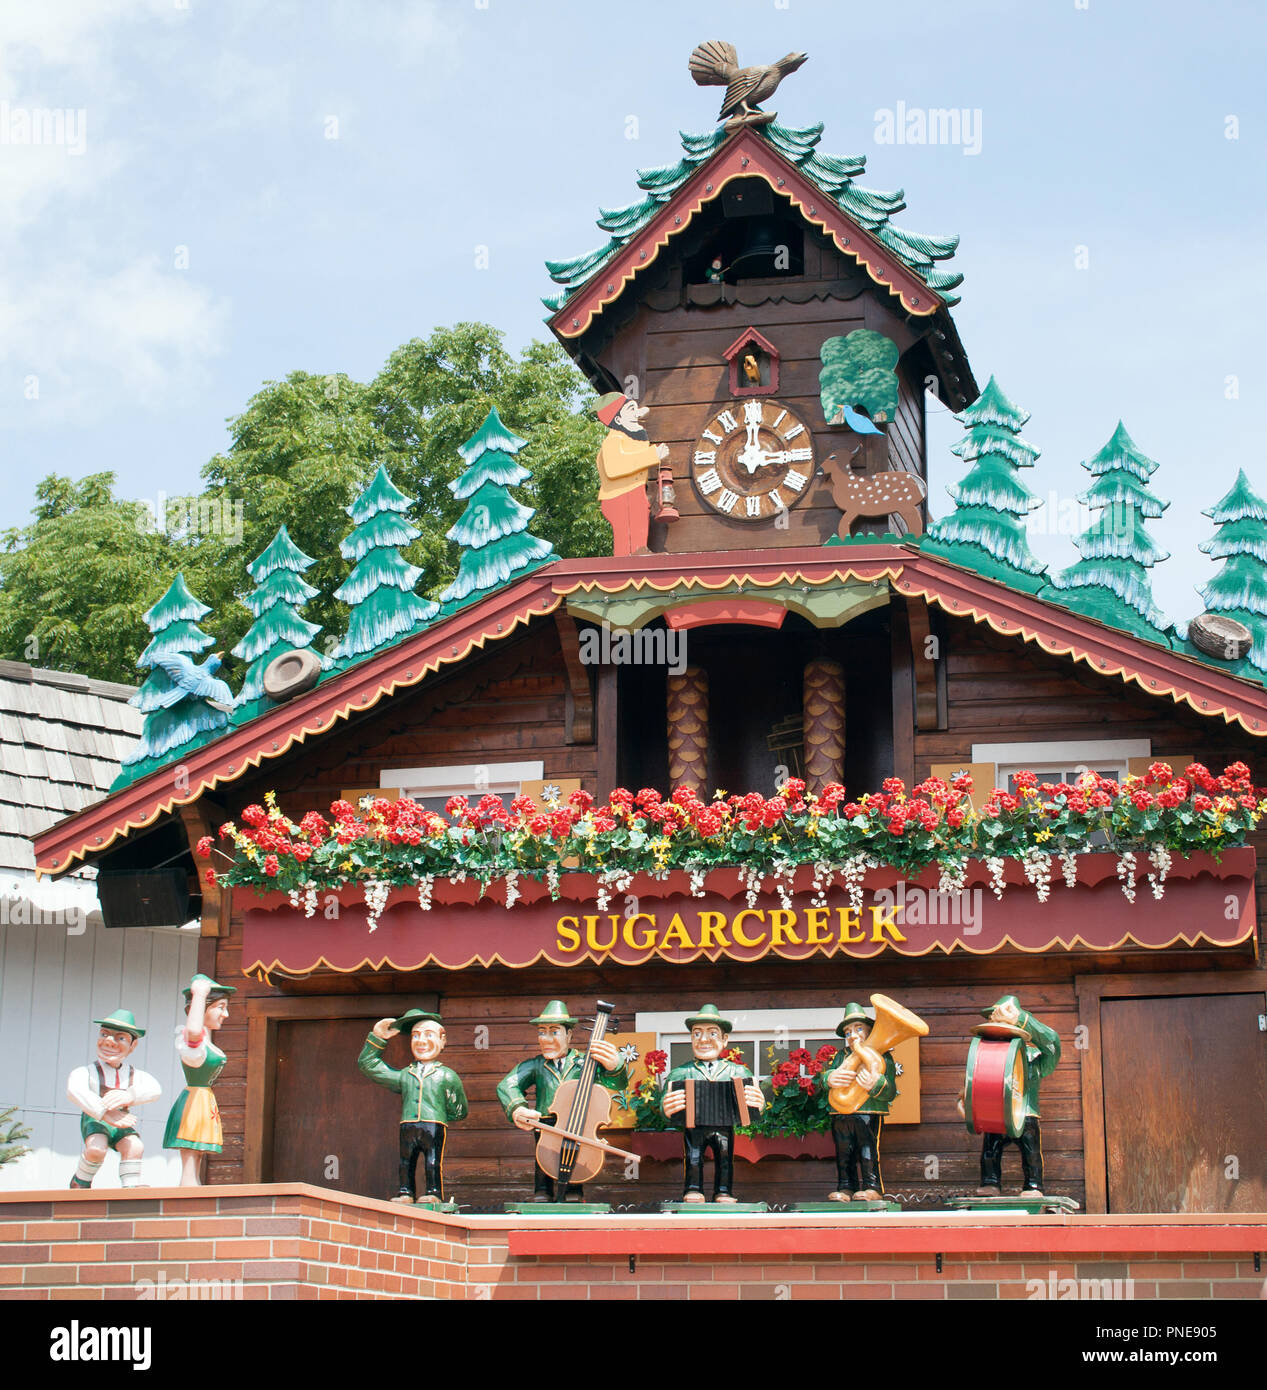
(199, 681)
(857, 421)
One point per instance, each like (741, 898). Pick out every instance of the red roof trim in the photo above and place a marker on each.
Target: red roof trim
(959, 592)
(750, 335)
(744, 156)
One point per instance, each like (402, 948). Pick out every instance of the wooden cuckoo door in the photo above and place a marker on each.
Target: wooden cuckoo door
(1185, 1103)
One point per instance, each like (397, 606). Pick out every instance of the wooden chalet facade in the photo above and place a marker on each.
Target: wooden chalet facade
(1158, 1002)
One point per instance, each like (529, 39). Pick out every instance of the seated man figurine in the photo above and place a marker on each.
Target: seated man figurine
(106, 1091)
(431, 1097)
(557, 1061)
(716, 1107)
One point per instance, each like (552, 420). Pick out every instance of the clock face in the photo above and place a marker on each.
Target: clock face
(754, 460)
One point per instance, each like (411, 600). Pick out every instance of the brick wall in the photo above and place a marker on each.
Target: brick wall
(294, 1241)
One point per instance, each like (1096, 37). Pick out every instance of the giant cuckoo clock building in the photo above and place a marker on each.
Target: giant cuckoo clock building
(780, 619)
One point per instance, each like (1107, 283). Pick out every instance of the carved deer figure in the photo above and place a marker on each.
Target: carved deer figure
(890, 493)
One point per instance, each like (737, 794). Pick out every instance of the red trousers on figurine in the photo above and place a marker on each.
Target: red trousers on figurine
(630, 519)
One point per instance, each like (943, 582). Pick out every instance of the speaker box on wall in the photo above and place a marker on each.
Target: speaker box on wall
(155, 898)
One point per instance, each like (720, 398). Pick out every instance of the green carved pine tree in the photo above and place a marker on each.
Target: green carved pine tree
(278, 627)
(493, 530)
(1239, 590)
(380, 589)
(173, 621)
(1111, 582)
(986, 531)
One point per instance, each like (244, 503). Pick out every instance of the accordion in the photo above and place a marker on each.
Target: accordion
(714, 1104)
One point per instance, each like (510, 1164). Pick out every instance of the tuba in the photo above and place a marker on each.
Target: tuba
(893, 1025)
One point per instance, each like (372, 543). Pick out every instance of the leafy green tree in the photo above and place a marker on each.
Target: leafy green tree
(278, 626)
(73, 583)
(859, 369)
(1110, 582)
(986, 531)
(493, 530)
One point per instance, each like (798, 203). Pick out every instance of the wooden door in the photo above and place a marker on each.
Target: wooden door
(331, 1125)
(1185, 1103)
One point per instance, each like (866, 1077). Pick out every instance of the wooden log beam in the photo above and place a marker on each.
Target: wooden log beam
(926, 666)
(580, 694)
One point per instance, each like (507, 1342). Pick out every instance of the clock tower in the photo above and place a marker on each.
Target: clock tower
(782, 334)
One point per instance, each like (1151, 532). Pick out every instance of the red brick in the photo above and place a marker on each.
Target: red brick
(929, 1289)
(223, 1227)
(1210, 1269)
(28, 1211)
(188, 1206)
(159, 1230)
(106, 1274)
(1180, 1288)
(242, 1249)
(12, 1230)
(11, 1274)
(714, 1292)
(52, 1274)
(133, 1250)
(273, 1226)
(26, 1254)
(877, 1290)
(1240, 1288)
(73, 1294)
(52, 1230)
(271, 1269)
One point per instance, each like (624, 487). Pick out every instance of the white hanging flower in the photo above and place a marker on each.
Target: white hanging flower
(376, 895)
(1126, 873)
(697, 882)
(552, 879)
(1069, 867)
(1160, 858)
(512, 888)
(425, 886)
(822, 882)
(852, 872)
(994, 864)
(310, 900)
(1037, 866)
(951, 875)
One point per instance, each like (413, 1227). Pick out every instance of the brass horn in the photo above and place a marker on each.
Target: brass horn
(893, 1025)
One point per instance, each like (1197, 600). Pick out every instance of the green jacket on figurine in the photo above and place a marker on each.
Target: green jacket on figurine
(428, 1090)
(880, 1096)
(544, 1077)
(702, 1071)
(1042, 1053)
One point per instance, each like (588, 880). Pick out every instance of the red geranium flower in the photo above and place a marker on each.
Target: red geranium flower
(254, 815)
(806, 1083)
(203, 848)
(656, 1061)
(271, 865)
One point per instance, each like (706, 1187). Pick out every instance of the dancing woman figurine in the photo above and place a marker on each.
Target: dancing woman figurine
(193, 1126)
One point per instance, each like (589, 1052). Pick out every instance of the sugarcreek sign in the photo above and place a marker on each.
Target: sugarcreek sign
(1205, 903)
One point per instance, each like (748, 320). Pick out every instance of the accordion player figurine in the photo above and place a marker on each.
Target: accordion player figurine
(712, 1095)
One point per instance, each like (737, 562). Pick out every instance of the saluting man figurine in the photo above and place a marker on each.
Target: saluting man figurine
(431, 1097)
(542, 1075)
(1042, 1053)
(106, 1091)
(709, 1032)
(857, 1136)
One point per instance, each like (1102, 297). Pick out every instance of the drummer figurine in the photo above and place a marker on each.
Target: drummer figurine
(106, 1091)
(857, 1136)
(1042, 1053)
(557, 1061)
(431, 1098)
(709, 1032)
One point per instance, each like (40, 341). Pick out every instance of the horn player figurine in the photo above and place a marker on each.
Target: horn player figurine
(862, 1084)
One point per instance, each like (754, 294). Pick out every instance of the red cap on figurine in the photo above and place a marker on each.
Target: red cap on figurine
(610, 405)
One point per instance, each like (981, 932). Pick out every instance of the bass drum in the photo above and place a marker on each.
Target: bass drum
(994, 1093)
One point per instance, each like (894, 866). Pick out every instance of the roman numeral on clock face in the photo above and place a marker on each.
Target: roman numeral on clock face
(752, 505)
(778, 419)
(794, 431)
(708, 434)
(726, 502)
(796, 481)
(705, 458)
(727, 421)
(752, 412)
(800, 455)
(710, 481)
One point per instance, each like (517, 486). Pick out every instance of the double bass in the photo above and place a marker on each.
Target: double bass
(570, 1151)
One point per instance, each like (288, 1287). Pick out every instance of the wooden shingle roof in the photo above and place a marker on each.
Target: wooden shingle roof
(61, 738)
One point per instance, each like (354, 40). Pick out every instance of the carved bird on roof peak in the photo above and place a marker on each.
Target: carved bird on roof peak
(715, 64)
(189, 679)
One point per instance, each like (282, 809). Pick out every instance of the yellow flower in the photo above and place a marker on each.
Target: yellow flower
(347, 866)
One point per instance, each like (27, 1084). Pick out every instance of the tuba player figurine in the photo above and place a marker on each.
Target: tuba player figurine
(856, 1135)
(709, 1112)
(1012, 1052)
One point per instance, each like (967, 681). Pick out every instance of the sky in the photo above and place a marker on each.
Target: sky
(237, 190)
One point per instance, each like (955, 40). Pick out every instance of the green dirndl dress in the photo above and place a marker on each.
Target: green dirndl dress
(194, 1121)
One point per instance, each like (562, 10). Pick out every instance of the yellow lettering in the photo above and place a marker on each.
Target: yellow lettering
(675, 934)
(591, 932)
(712, 930)
(848, 924)
(816, 926)
(627, 931)
(880, 923)
(568, 934)
(741, 939)
(782, 924)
